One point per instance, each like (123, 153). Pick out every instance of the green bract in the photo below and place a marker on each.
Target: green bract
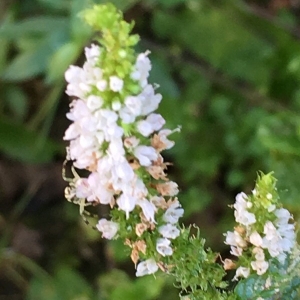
(118, 56)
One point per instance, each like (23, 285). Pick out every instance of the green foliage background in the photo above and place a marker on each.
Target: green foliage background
(229, 74)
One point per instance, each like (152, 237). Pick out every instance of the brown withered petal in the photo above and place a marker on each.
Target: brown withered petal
(93, 167)
(167, 189)
(128, 243)
(134, 256)
(134, 164)
(140, 228)
(157, 172)
(157, 143)
(241, 230)
(160, 202)
(141, 246)
(229, 264)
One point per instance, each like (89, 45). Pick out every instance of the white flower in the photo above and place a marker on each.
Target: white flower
(144, 128)
(81, 80)
(150, 100)
(283, 216)
(255, 239)
(126, 203)
(169, 188)
(134, 105)
(94, 102)
(271, 207)
(173, 213)
(131, 142)
(115, 83)
(278, 240)
(148, 208)
(98, 191)
(124, 171)
(260, 266)
(142, 68)
(74, 76)
(83, 157)
(163, 141)
(259, 253)
(92, 53)
(82, 188)
(241, 272)
(145, 154)
(272, 239)
(241, 214)
(169, 231)
(236, 251)
(126, 116)
(101, 85)
(240, 202)
(116, 105)
(234, 239)
(108, 228)
(153, 123)
(163, 247)
(146, 267)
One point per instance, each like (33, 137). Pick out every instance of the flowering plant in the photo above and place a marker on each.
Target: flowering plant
(116, 143)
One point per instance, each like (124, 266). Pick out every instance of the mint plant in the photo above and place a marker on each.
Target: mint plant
(116, 141)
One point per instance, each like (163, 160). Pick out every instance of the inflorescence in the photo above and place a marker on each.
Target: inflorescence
(263, 232)
(117, 137)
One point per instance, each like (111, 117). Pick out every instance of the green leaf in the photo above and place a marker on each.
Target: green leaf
(80, 31)
(161, 72)
(27, 64)
(280, 133)
(215, 35)
(120, 4)
(17, 101)
(61, 60)
(170, 3)
(34, 60)
(253, 287)
(24, 145)
(58, 5)
(70, 285)
(117, 285)
(32, 26)
(66, 284)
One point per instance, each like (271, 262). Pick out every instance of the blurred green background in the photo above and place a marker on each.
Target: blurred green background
(229, 74)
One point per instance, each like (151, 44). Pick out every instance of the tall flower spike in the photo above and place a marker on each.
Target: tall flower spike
(117, 137)
(263, 235)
